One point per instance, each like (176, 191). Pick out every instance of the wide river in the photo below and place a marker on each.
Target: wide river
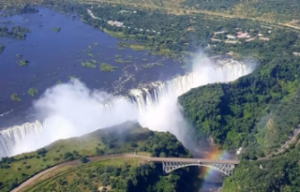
(57, 56)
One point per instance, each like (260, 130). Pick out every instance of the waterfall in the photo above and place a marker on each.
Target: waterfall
(154, 105)
(225, 71)
(12, 136)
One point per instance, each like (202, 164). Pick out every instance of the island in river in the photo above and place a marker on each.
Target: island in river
(78, 50)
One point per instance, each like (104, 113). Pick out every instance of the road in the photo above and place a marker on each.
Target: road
(145, 158)
(70, 163)
(291, 139)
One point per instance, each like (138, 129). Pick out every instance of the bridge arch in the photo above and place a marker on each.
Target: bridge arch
(226, 169)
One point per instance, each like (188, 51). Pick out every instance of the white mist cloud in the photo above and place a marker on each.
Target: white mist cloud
(72, 109)
(166, 114)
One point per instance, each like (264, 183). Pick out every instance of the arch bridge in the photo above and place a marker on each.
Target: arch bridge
(170, 164)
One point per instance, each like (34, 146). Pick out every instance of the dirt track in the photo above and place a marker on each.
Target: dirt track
(97, 158)
(70, 163)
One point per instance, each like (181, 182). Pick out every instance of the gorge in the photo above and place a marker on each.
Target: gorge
(71, 109)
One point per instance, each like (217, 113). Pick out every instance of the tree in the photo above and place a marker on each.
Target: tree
(99, 151)
(68, 156)
(83, 159)
(41, 151)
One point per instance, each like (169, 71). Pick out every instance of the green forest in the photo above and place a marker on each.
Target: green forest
(248, 112)
(258, 112)
(277, 174)
(279, 10)
(116, 173)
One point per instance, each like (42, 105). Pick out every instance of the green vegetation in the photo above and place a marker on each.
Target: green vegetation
(56, 29)
(278, 174)
(133, 46)
(15, 32)
(119, 174)
(32, 92)
(23, 63)
(119, 60)
(258, 112)
(172, 36)
(124, 138)
(73, 77)
(127, 59)
(15, 97)
(88, 64)
(107, 67)
(94, 61)
(264, 10)
(175, 34)
(148, 66)
(1, 48)
(14, 8)
(257, 10)
(83, 159)
(248, 112)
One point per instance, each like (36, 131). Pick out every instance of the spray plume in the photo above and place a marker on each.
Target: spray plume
(72, 109)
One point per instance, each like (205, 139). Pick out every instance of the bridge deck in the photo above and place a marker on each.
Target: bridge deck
(187, 160)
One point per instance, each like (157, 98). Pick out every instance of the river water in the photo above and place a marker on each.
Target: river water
(57, 56)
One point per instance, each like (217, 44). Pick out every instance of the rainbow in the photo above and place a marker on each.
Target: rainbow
(212, 154)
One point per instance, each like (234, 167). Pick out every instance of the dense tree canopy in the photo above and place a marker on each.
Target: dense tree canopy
(258, 111)
(279, 174)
